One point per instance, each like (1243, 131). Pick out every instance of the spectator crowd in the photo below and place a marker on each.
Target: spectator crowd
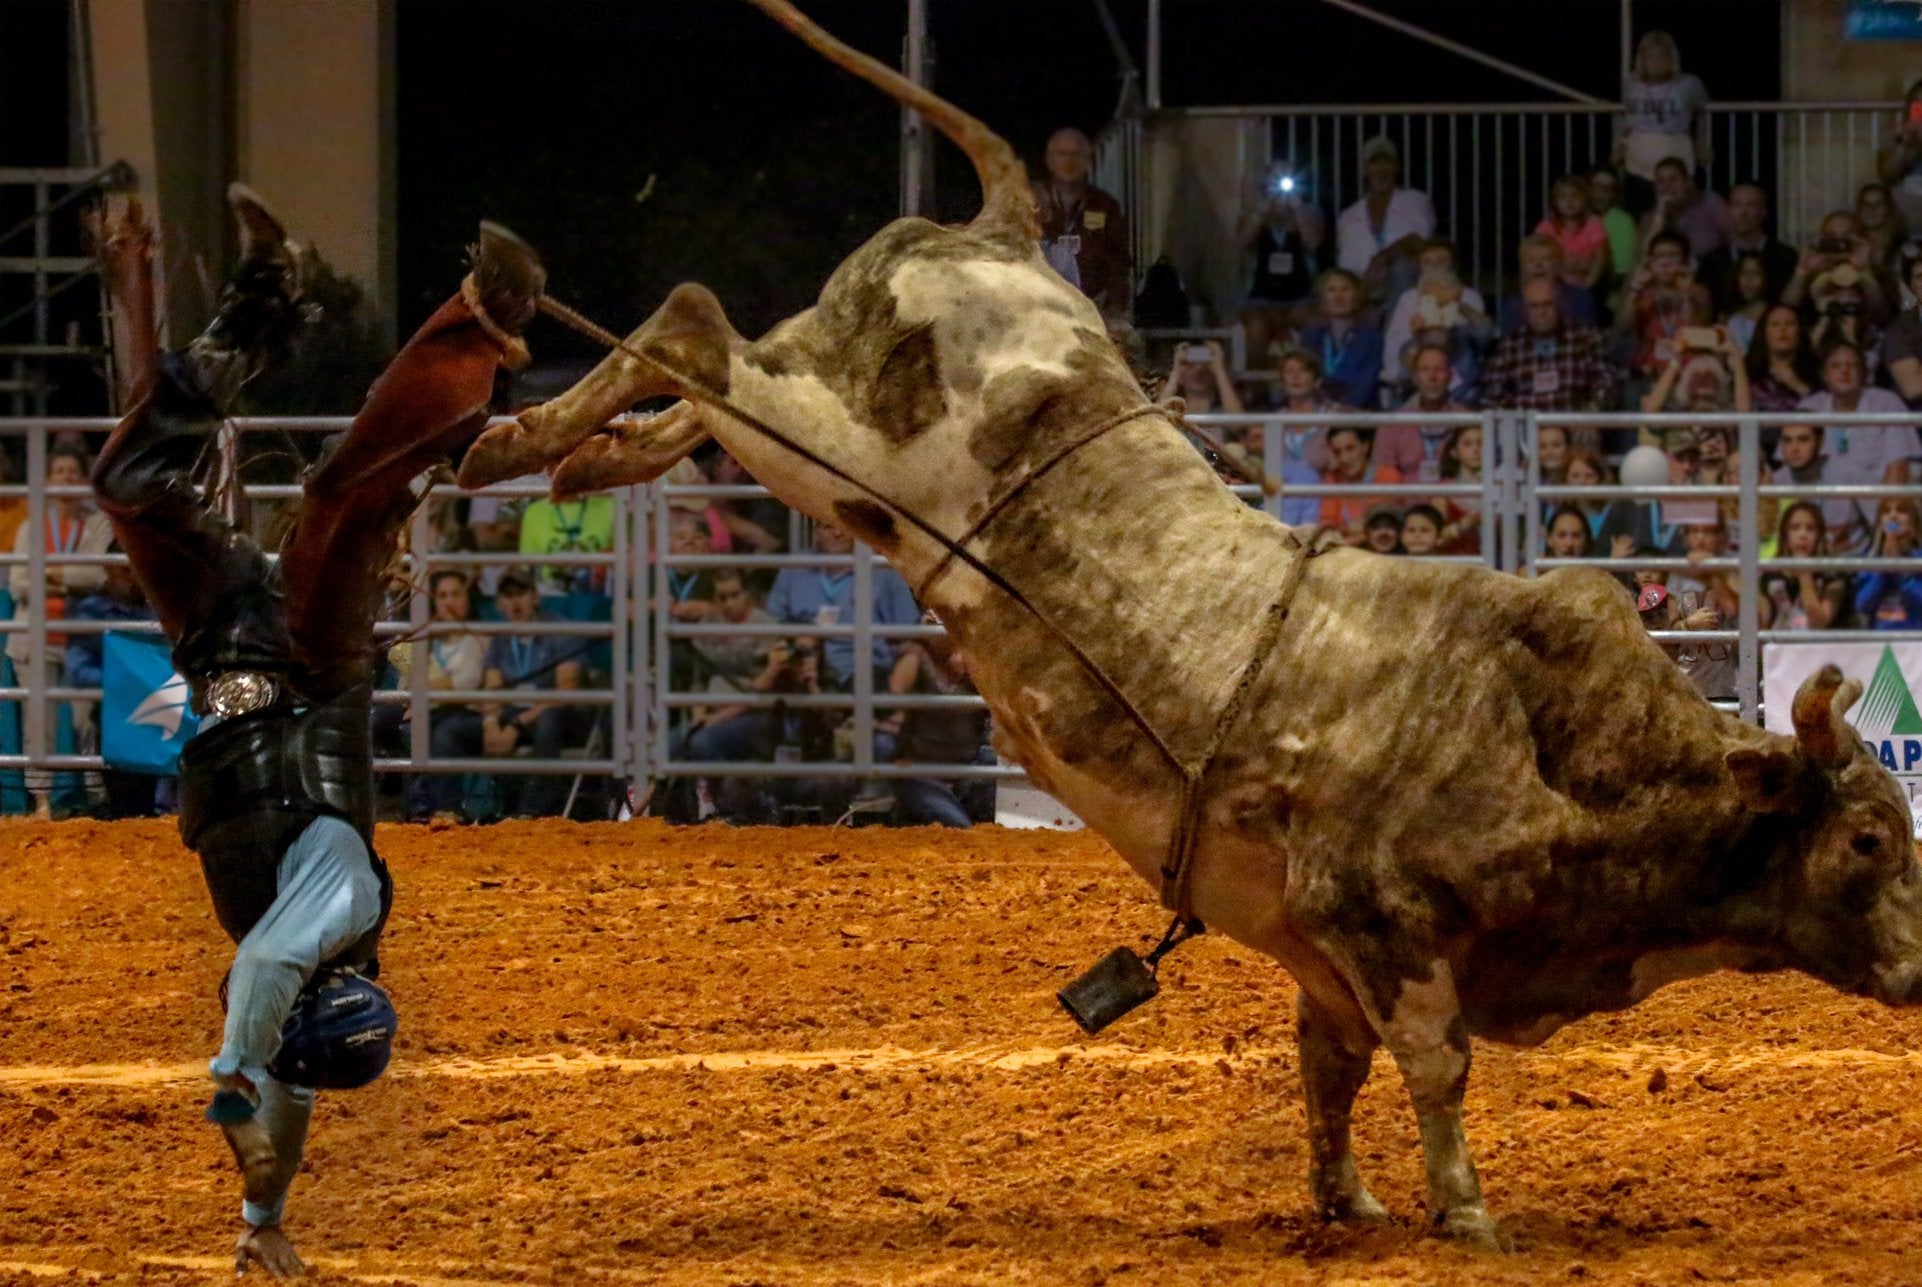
(1637, 289)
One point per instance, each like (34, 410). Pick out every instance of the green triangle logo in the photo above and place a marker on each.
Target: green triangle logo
(1889, 706)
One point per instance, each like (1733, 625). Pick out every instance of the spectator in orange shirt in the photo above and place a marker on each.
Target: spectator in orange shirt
(1348, 451)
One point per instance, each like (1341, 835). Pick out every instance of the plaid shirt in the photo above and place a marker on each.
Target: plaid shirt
(1565, 371)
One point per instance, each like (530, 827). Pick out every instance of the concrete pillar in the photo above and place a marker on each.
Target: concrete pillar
(294, 98)
(1827, 155)
(162, 75)
(314, 110)
(1199, 170)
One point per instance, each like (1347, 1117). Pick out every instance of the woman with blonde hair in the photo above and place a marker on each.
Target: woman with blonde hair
(1662, 116)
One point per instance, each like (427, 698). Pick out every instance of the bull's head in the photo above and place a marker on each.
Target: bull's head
(1849, 899)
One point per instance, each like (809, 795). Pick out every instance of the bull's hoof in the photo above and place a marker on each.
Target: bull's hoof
(597, 465)
(1360, 1207)
(504, 452)
(1473, 1227)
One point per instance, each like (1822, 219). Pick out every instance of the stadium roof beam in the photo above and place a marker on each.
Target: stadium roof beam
(1466, 51)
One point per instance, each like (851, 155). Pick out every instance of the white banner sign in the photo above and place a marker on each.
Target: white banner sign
(1019, 803)
(1887, 716)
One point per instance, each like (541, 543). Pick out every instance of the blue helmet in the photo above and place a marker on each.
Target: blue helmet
(340, 1035)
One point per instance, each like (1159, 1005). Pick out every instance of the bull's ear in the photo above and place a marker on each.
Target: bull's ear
(1770, 781)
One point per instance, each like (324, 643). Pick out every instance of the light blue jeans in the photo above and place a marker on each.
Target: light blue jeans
(328, 896)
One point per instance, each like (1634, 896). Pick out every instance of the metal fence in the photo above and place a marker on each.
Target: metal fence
(1515, 498)
(638, 709)
(1487, 167)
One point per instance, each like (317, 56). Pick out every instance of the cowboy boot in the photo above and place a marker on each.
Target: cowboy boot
(508, 278)
(208, 583)
(431, 401)
(260, 307)
(160, 441)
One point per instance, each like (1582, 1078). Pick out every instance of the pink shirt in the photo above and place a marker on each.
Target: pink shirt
(1583, 244)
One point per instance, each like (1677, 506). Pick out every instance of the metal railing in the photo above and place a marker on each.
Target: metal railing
(1488, 167)
(643, 710)
(1749, 491)
(32, 335)
(616, 697)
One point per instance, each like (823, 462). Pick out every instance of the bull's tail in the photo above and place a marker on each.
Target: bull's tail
(1007, 199)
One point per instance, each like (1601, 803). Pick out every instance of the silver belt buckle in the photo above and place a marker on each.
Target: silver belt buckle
(240, 692)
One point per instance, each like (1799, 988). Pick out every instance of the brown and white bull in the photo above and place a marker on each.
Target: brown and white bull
(1455, 803)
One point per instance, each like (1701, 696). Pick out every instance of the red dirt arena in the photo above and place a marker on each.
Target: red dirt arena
(631, 1054)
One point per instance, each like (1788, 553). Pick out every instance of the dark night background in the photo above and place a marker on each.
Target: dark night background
(770, 165)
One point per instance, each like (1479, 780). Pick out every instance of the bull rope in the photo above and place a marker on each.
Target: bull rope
(1177, 869)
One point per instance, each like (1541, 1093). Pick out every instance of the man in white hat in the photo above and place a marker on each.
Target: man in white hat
(1381, 235)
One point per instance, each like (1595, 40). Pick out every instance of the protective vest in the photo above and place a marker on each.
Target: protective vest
(250, 785)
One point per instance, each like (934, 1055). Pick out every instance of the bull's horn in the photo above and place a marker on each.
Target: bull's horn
(1821, 704)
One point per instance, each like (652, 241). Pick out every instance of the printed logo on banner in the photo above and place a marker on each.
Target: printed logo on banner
(1887, 718)
(145, 719)
(1887, 715)
(163, 708)
(1882, 20)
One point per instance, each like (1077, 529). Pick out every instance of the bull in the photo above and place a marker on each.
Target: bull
(1452, 803)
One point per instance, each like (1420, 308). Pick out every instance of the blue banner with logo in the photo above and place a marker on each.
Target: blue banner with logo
(144, 714)
(1883, 20)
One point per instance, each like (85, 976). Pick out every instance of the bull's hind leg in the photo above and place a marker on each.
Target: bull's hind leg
(684, 352)
(1426, 1035)
(1332, 1073)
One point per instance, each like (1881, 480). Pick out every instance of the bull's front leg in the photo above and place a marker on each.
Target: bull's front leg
(1333, 1069)
(681, 351)
(1426, 1035)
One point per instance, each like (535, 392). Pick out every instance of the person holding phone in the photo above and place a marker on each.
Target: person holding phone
(1841, 314)
(1287, 236)
(1200, 380)
(1802, 600)
(1840, 242)
(1663, 298)
(1706, 372)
